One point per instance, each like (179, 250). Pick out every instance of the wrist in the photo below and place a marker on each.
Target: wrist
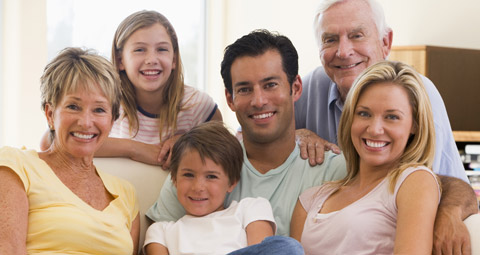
(453, 211)
(132, 149)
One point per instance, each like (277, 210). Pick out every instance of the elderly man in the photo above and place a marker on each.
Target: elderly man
(352, 35)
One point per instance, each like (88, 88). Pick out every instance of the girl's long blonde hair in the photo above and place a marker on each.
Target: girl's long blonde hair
(173, 91)
(420, 148)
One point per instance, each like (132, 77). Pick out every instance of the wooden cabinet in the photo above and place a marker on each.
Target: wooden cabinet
(456, 74)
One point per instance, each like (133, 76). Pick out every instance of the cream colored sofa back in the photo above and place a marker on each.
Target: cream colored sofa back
(148, 181)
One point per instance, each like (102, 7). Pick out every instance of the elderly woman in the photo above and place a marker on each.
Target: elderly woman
(56, 201)
(387, 202)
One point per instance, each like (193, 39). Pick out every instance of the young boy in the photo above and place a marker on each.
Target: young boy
(206, 165)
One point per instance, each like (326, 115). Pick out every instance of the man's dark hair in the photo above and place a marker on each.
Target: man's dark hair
(257, 43)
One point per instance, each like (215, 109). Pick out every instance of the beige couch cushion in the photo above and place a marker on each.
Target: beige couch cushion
(147, 179)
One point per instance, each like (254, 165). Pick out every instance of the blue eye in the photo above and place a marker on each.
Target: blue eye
(73, 107)
(392, 117)
(363, 114)
(99, 110)
(328, 40)
(356, 36)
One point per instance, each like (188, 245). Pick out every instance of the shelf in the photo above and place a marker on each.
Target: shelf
(455, 73)
(466, 136)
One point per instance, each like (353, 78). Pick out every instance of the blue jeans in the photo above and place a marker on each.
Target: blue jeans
(278, 245)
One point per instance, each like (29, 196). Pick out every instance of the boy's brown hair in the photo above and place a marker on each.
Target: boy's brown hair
(213, 141)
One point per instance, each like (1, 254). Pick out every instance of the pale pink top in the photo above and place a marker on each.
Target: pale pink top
(199, 108)
(366, 226)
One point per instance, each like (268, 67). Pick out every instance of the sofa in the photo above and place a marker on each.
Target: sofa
(148, 181)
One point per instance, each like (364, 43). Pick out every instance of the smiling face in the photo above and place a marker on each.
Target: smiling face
(262, 97)
(201, 186)
(350, 42)
(82, 120)
(381, 125)
(148, 58)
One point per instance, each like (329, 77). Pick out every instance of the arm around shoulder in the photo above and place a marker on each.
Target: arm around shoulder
(457, 203)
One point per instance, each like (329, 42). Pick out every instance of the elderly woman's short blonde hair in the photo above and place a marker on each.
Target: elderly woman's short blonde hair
(75, 68)
(420, 148)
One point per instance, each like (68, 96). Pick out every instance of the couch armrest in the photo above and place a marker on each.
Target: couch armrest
(147, 180)
(473, 226)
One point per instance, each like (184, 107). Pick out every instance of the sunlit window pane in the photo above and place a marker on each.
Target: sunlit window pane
(92, 24)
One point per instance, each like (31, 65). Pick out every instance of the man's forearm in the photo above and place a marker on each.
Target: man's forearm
(459, 196)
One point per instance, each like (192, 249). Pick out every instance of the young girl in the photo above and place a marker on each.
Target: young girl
(206, 165)
(388, 201)
(156, 104)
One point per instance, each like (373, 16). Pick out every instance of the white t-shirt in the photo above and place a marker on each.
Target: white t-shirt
(220, 232)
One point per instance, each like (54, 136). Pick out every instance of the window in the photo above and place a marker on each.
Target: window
(92, 24)
(1, 75)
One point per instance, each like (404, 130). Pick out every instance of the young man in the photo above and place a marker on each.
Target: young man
(260, 72)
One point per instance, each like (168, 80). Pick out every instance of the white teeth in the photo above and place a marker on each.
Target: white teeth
(151, 72)
(198, 199)
(81, 136)
(375, 144)
(352, 65)
(263, 115)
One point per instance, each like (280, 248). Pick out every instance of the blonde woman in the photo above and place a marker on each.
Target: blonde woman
(56, 201)
(388, 200)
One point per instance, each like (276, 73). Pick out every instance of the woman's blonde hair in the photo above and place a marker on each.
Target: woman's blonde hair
(173, 91)
(75, 68)
(420, 148)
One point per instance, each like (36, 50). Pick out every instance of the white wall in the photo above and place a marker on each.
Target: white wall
(24, 55)
(435, 22)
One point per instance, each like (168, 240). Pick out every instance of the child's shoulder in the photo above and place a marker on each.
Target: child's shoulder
(253, 202)
(193, 97)
(190, 92)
